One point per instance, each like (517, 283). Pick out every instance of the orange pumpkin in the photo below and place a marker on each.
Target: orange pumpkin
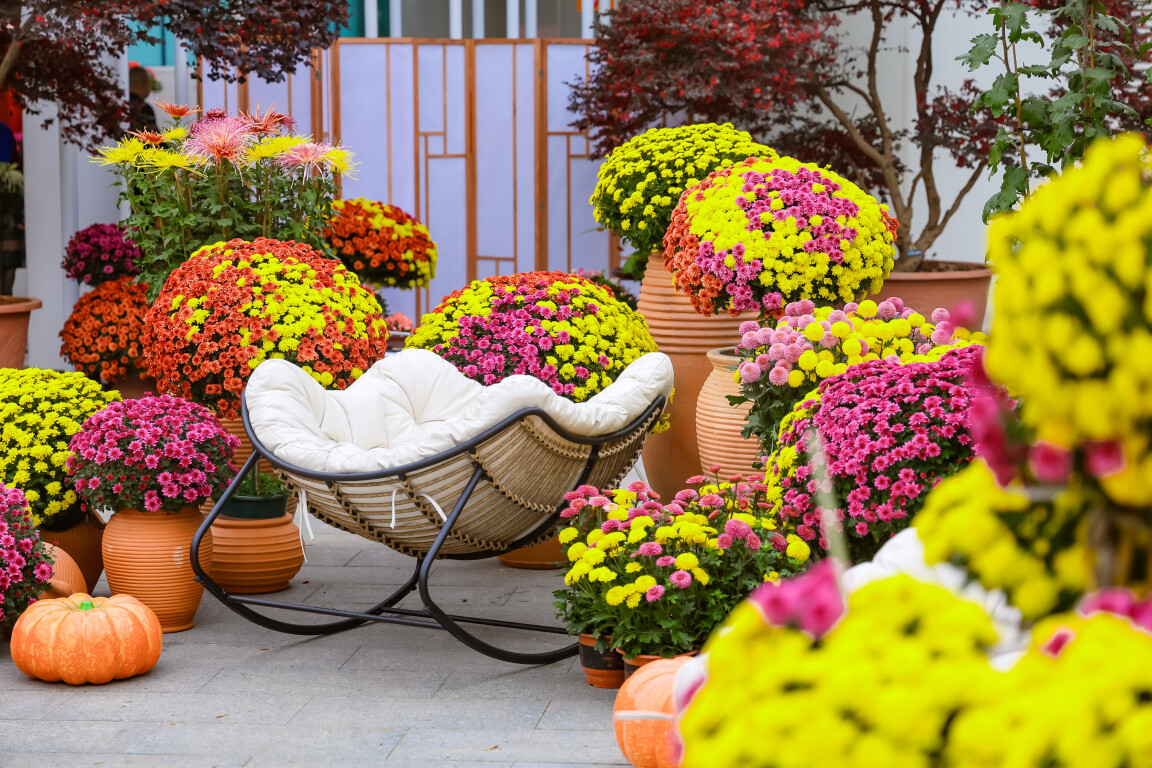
(645, 742)
(84, 639)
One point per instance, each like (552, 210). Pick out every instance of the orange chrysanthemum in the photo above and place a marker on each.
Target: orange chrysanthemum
(233, 305)
(102, 335)
(381, 243)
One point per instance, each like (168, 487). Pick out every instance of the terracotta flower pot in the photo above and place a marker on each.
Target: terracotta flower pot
(67, 579)
(718, 424)
(685, 336)
(602, 669)
(83, 542)
(15, 312)
(639, 660)
(147, 556)
(546, 555)
(256, 555)
(925, 291)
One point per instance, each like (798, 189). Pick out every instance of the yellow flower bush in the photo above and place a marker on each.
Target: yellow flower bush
(904, 681)
(1072, 330)
(567, 331)
(877, 690)
(40, 411)
(1033, 550)
(774, 230)
(659, 577)
(640, 182)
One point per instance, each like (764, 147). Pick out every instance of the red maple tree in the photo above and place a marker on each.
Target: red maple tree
(785, 71)
(62, 50)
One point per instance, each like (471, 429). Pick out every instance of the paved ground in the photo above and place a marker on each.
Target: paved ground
(230, 693)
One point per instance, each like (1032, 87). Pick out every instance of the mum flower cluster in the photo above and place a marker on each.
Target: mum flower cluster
(40, 411)
(903, 680)
(155, 453)
(889, 434)
(1034, 550)
(234, 305)
(566, 331)
(99, 253)
(774, 230)
(102, 335)
(811, 343)
(660, 577)
(879, 687)
(222, 177)
(25, 566)
(640, 182)
(1072, 330)
(381, 243)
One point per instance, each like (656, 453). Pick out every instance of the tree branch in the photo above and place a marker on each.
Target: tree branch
(8, 63)
(929, 235)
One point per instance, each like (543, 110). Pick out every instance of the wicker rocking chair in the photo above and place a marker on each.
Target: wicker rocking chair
(506, 487)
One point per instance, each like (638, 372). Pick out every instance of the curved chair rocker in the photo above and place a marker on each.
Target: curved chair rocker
(505, 481)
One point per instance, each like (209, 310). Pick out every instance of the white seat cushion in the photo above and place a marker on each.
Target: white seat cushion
(413, 404)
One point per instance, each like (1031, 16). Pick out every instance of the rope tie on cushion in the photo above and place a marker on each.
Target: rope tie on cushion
(439, 511)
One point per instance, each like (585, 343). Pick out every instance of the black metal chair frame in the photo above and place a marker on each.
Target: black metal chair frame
(431, 616)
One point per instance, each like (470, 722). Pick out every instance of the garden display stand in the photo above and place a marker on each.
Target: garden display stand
(509, 479)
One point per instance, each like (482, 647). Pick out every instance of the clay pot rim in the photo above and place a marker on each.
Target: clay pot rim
(919, 277)
(654, 656)
(725, 356)
(16, 304)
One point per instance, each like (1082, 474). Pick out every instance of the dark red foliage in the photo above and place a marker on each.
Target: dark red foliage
(59, 51)
(690, 61)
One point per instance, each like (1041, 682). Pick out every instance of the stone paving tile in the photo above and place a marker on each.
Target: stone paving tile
(310, 746)
(589, 710)
(114, 704)
(25, 699)
(443, 744)
(396, 711)
(71, 736)
(89, 760)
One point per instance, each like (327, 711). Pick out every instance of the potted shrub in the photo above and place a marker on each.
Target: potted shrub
(256, 546)
(220, 178)
(25, 563)
(153, 460)
(381, 243)
(217, 318)
(663, 576)
(102, 336)
(889, 432)
(100, 253)
(40, 412)
(639, 186)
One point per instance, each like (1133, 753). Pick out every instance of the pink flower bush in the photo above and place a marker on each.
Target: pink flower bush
(24, 563)
(100, 253)
(155, 453)
(890, 433)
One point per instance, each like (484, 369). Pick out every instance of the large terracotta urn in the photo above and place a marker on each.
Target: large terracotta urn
(15, 311)
(927, 290)
(718, 424)
(148, 555)
(685, 336)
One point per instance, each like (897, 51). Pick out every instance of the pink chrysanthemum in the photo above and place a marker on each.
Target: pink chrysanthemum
(681, 579)
(665, 561)
(654, 593)
(217, 139)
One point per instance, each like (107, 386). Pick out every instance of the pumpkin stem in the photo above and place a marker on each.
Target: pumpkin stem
(86, 605)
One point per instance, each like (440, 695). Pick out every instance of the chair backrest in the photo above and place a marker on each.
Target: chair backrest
(528, 464)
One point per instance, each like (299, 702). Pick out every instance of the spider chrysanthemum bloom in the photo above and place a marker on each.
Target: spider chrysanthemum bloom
(178, 111)
(270, 121)
(224, 138)
(316, 154)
